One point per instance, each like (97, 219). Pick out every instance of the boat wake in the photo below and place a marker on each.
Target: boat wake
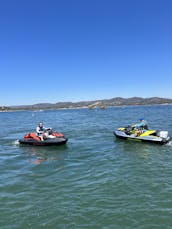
(169, 143)
(16, 142)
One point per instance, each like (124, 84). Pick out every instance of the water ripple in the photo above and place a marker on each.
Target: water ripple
(95, 181)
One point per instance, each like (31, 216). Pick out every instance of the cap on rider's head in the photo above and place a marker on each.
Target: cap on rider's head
(40, 123)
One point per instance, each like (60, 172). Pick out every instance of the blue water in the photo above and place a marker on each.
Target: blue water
(95, 181)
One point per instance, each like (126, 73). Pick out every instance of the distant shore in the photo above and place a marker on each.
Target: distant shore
(101, 104)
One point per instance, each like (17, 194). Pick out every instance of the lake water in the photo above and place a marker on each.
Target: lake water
(95, 181)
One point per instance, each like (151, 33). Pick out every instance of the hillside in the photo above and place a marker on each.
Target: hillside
(118, 101)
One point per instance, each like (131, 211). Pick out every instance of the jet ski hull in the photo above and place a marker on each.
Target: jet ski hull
(46, 142)
(149, 138)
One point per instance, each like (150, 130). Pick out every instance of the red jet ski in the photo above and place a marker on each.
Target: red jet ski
(51, 139)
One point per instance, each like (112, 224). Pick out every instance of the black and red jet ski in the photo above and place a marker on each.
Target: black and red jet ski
(53, 139)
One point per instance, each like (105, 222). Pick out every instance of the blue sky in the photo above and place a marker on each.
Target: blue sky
(73, 50)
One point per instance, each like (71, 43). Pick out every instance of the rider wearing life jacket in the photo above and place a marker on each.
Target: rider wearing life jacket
(142, 124)
(40, 130)
(140, 127)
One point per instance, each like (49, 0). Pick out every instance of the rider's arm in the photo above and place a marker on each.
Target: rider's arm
(38, 130)
(141, 124)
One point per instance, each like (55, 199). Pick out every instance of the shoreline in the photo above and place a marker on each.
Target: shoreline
(82, 107)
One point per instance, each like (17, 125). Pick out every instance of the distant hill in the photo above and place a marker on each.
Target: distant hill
(117, 101)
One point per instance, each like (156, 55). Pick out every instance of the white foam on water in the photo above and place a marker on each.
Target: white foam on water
(16, 142)
(169, 143)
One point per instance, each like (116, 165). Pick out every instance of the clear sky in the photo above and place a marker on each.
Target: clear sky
(73, 50)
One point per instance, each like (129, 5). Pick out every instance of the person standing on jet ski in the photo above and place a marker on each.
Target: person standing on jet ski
(140, 127)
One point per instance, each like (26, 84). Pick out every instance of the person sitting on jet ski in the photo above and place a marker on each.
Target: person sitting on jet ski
(41, 131)
(140, 127)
